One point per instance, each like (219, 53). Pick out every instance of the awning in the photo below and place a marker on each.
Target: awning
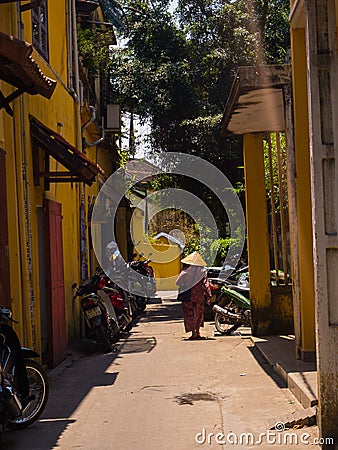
(19, 69)
(255, 103)
(80, 168)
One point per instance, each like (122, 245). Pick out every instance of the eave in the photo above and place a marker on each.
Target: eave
(255, 103)
(18, 68)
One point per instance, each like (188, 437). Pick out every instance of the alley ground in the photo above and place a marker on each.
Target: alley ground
(161, 391)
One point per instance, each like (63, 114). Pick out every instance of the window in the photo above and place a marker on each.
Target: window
(40, 28)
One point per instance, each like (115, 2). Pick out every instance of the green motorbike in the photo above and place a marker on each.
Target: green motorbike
(232, 311)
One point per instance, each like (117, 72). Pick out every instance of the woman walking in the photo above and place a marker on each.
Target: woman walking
(193, 290)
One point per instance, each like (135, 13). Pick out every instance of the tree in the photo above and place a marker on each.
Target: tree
(176, 71)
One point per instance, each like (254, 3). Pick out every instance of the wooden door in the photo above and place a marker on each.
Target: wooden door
(5, 292)
(57, 340)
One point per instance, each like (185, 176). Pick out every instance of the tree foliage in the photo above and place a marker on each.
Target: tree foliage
(175, 71)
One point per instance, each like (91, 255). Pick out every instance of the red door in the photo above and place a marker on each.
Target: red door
(5, 294)
(57, 341)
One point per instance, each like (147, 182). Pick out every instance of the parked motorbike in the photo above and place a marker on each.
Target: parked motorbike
(238, 281)
(98, 312)
(232, 311)
(120, 302)
(125, 287)
(143, 268)
(17, 412)
(133, 289)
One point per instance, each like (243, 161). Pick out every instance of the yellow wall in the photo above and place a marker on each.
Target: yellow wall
(166, 263)
(166, 257)
(303, 186)
(61, 114)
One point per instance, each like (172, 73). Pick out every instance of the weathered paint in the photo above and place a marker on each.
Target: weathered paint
(282, 309)
(303, 192)
(258, 240)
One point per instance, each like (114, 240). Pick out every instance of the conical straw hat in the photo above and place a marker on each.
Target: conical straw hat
(194, 259)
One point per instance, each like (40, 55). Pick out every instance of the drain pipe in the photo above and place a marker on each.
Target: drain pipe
(86, 125)
(82, 186)
(90, 120)
(24, 198)
(85, 144)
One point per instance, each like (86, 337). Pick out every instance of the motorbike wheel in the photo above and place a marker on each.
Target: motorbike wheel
(143, 303)
(128, 327)
(38, 386)
(103, 338)
(224, 325)
(115, 333)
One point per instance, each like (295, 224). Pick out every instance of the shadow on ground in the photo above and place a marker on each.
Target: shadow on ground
(265, 365)
(86, 368)
(67, 391)
(137, 345)
(166, 312)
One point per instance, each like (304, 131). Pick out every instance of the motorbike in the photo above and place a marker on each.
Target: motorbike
(232, 311)
(238, 281)
(133, 290)
(117, 278)
(98, 311)
(143, 267)
(17, 412)
(123, 308)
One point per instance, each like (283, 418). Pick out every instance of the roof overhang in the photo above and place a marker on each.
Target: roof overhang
(255, 103)
(86, 6)
(80, 168)
(18, 68)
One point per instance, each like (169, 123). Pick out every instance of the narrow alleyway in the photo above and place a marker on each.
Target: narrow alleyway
(158, 391)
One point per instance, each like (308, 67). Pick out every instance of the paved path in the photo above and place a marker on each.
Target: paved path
(160, 391)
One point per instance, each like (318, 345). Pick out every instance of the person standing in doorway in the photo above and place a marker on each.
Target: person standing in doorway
(194, 289)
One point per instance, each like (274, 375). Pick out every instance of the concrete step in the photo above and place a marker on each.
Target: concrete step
(307, 417)
(300, 377)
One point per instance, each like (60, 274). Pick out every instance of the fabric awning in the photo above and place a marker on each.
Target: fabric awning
(80, 167)
(18, 68)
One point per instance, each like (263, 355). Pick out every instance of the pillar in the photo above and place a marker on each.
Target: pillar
(306, 327)
(258, 237)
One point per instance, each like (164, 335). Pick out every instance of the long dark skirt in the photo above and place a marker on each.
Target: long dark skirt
(193, 315)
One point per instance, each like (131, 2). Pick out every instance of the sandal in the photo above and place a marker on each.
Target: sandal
(193, 338)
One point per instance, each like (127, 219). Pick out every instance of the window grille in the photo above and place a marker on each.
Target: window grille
(40, 28)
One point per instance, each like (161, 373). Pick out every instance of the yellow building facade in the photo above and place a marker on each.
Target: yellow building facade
(49, 183)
